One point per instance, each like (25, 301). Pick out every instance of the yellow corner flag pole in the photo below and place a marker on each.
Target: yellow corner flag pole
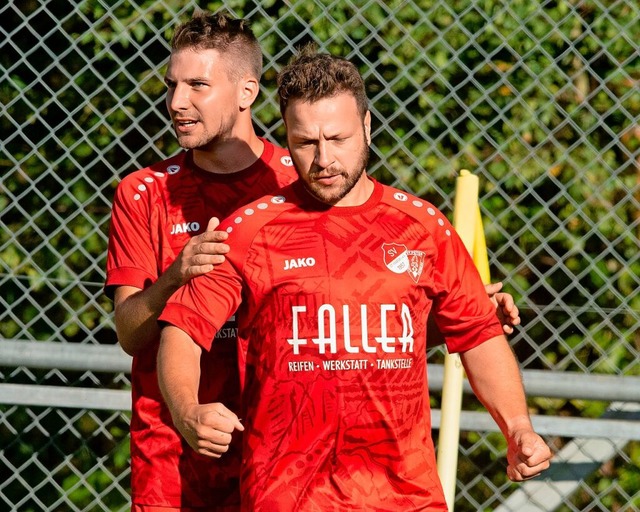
(468, 224)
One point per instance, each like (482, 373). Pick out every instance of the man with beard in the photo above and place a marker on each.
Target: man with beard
(333, 278)
(163, 234)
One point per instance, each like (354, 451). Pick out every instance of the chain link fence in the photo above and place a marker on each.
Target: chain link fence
(540, 99)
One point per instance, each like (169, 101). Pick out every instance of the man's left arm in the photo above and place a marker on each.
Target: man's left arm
(494, 375)
(506, 310)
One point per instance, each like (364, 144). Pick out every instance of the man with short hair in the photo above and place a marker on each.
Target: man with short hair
(163, 234)
(158, 242)
(333, 278)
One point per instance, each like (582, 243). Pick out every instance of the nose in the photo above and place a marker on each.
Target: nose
(323, 156)
(178, 98)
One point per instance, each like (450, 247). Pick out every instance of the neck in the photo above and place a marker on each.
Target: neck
(230, 154)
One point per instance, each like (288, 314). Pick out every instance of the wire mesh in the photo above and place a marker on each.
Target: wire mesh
(540, 99)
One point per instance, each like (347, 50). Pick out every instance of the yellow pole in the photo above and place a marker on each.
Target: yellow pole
(468, 224)
(480, 255)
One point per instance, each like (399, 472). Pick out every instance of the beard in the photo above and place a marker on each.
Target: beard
(203, 138)
(333, 194)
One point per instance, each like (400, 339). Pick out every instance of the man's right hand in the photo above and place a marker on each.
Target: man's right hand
(201, 253)
(208, 428)
(137, 311)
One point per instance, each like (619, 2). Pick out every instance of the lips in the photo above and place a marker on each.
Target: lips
(327, 180)
(326, 174)
(320, 175)
(184, 125)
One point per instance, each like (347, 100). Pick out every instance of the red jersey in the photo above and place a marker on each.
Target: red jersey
(155, 212)
(333, 306)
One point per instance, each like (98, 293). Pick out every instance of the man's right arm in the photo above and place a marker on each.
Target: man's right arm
(136, 314)
(208, 428)
(136, 311)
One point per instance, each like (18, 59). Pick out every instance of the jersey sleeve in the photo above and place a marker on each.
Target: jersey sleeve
(202, 306)
(462, 310)
(131, 259)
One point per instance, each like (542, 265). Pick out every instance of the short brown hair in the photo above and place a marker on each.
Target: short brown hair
(233, 38)
(311, 76)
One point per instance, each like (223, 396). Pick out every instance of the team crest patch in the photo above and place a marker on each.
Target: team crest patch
(399, 260)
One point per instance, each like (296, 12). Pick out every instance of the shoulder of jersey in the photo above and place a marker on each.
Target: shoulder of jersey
(246, 221)
(142, 180)
(419, 209)
(281, 159)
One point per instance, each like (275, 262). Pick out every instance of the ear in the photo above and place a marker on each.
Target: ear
(248, 89)
(367, 127)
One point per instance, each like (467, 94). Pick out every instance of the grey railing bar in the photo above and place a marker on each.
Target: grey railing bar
(111, 358)
(64, 356)
(626, 427)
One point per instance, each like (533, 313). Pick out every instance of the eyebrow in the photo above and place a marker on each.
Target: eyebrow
(168, 78)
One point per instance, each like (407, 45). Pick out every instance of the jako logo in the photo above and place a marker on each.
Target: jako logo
(299, 262)
(185, 227)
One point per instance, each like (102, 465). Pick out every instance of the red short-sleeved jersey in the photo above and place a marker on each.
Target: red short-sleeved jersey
(155, 212)
(332, 327)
